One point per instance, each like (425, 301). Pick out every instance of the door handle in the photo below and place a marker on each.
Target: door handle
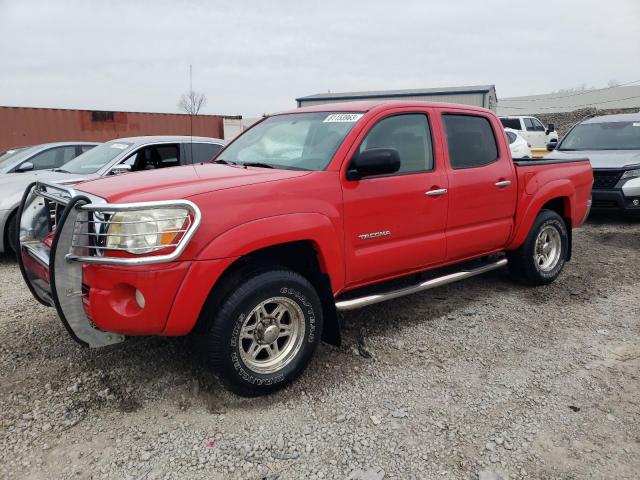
(503, 183)
(437, 192)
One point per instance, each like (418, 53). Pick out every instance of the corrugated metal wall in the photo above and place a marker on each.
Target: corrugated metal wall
(21, 126)
(474, 99)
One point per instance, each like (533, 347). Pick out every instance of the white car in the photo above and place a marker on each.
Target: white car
(520, 148)
(532, 130)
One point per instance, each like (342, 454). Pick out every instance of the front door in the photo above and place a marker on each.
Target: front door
(391, 224)
(536, 133)
(482, 186)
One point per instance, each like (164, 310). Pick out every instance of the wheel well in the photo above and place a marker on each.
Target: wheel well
(562, 207)
(301, 257)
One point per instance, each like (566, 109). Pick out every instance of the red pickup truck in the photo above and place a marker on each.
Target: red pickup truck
(306, 214)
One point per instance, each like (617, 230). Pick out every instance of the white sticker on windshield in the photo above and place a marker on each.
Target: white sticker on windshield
(636, 124)
(343, 117)
(120, 146)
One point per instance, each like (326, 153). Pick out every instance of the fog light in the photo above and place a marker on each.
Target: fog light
(139, 298)
(636, 202)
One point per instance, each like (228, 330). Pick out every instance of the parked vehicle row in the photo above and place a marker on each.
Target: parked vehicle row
(532, 130)
(308, 213)
(110, 158)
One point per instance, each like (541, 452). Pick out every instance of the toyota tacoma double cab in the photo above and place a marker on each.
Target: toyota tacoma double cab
(308, 213)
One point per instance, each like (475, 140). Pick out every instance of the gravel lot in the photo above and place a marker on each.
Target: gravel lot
(481, 379)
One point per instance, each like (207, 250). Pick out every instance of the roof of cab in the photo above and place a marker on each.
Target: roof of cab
(365, 106)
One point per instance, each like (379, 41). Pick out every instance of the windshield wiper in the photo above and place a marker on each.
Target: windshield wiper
(257, 164)
(61, 170)
(222, 161)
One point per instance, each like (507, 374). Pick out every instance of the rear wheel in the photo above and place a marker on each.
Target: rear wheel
(265, 332)
(541, 258)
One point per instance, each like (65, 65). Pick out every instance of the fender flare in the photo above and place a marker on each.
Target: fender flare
(561, 188)
(271, 231)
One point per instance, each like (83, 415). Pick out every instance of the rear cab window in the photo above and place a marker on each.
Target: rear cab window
(513, 123)
(471, 141)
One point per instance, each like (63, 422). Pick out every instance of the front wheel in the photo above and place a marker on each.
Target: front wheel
(541, 258)
(265, 332)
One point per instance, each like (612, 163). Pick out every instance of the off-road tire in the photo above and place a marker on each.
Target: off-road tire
(522, 262)
(221, 342)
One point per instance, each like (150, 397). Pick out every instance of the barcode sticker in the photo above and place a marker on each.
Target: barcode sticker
(636, 124)
(343, 117)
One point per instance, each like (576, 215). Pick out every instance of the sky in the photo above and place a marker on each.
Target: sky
(255, 57)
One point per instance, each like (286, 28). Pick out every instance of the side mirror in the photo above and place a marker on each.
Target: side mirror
(25, 167)
(120, 169)
(551, 146)
(376, 161)
(551, 128)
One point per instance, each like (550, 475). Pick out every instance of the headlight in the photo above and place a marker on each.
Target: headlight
(145, 231)
(631, 173)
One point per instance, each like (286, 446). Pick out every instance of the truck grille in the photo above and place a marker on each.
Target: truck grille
(606, 179)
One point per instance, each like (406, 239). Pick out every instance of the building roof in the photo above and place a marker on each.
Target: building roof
(605, 98)
(397, 93)
(368, 105)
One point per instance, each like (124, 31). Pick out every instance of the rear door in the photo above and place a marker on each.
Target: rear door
(391, 224)
(482, 185)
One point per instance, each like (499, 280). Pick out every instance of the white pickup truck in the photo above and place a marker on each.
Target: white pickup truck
(532, 130)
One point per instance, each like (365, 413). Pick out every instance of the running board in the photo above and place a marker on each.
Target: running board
(354, 303)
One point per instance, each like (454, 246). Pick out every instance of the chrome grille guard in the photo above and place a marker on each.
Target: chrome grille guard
(91, 224)
(91, 231)
(59, 230)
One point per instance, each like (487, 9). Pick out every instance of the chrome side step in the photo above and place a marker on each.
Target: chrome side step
(354, 303)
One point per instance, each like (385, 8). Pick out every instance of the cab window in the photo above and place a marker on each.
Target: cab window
(53, 157)
(203, 152)
(410, 135)
(470, 141)
(153, 157)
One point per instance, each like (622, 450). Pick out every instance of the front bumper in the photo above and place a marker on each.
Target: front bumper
(615, 199)
(99, 298)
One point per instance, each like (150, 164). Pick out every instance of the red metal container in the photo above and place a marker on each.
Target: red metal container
(21, 126)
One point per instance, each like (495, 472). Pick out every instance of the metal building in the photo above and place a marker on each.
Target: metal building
(23, 126)
(477, 95)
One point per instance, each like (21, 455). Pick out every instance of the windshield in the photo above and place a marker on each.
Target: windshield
(603, 136)
(10, 156)
(96, 158)
(300, 141)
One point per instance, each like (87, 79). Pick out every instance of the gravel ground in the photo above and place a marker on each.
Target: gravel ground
(481, 379)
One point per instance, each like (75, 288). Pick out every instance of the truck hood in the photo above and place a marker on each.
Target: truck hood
(180, 182)
(602, 158)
